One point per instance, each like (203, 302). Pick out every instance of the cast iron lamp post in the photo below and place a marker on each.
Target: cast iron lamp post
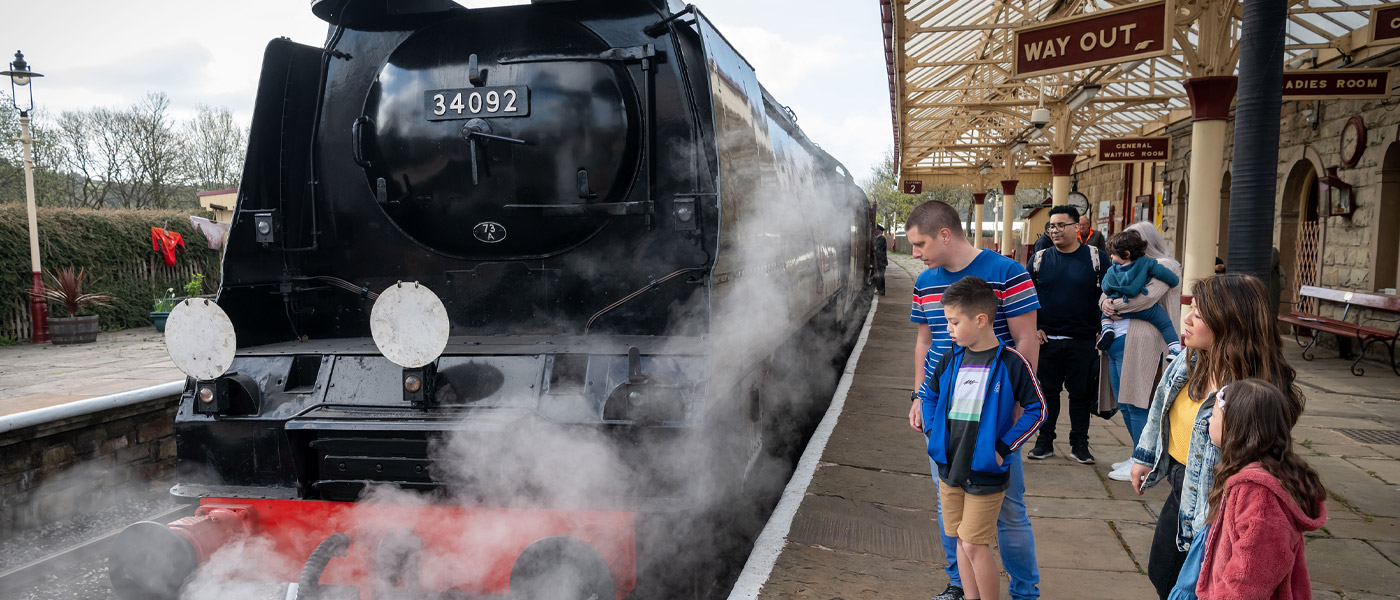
(20, 77)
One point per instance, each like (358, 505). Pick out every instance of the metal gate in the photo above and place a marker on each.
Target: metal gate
(1305, 265)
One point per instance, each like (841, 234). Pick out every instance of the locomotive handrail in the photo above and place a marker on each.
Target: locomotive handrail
(78, 408)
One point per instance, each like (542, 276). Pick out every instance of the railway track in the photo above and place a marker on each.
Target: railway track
(25, 576)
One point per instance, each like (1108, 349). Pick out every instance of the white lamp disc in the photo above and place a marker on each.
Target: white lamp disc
(200, 338)
(409, 325)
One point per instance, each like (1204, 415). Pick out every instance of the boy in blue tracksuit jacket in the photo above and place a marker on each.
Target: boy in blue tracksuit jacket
(969, 407)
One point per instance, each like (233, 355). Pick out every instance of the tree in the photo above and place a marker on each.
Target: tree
(154, 166)
(892, 205)
(90, 155)
(215, 145)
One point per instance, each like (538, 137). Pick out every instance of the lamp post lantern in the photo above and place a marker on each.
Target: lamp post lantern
(20, 78)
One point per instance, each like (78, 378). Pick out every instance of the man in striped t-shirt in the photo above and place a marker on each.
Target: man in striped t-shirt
(935, 231)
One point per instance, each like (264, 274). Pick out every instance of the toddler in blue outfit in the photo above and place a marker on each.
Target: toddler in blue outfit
(1128, 278)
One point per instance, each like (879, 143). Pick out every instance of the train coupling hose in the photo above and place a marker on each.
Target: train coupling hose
(309, 586)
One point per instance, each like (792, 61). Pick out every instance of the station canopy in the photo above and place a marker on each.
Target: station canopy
(959, 111)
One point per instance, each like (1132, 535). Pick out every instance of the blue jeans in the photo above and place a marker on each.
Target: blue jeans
(1115, 363)
(1185, 588)
(1135, 418)
(1014, 537)
(1157, 316)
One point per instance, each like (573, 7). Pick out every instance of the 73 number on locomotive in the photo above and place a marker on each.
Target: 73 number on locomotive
(476, 103)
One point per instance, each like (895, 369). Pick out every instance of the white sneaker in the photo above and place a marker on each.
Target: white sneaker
(1123, 473)
(1119, 465)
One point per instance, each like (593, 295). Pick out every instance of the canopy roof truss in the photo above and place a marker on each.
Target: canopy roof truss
(957, 108)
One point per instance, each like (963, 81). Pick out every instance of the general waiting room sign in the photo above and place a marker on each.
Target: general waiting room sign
(1142, 149)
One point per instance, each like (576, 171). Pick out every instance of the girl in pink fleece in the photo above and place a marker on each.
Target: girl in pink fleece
(1265, 496)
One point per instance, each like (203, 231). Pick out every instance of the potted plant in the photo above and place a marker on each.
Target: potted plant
(161, 307)
(68, 290)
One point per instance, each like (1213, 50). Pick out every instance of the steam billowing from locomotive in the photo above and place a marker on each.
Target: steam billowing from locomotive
(646, 270)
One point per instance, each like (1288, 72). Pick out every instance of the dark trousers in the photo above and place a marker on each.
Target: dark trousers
(1164, 561)
(880, 280)
(1068, 365)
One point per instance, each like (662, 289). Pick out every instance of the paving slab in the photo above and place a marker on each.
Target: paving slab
(903, 490)
(1079, 544)
(1377, 529)
(1083, 508)
(877, 442)
(1390, 550)
(1062, 480)
(865, 528)
(1093, 585)
(1351, 565)
(1388, 470)
(811, 573)
(39, 376)
(1138, 538)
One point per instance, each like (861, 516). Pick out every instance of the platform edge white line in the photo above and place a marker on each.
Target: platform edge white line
(773, 538)
(87, 406)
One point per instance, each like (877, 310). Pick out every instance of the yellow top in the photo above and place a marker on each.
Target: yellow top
(1182, 416)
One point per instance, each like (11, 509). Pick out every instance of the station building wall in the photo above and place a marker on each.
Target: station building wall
(1360, 252)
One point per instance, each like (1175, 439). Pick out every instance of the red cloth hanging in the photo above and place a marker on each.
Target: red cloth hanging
(166, 242)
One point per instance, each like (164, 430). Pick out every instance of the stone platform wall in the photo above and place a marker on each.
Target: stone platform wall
(79, 465)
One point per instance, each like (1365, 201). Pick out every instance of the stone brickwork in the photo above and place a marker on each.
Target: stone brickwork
(1348, 245)
(72, 467)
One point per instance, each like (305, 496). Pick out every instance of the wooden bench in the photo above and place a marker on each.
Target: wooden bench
(1361, 331)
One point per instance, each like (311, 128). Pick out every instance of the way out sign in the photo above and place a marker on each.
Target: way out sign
(1139, 30)
(913, 186)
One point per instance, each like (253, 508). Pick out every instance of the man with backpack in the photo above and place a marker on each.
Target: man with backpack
(1067, 277)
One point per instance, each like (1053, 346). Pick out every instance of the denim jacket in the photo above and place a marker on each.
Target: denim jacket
(1202, 456)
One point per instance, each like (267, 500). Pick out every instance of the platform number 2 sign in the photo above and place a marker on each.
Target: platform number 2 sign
(913, 186)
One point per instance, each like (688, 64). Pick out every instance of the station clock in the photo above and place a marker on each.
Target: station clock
(1353, 141)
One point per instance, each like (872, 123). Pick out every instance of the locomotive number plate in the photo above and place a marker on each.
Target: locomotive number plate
(477, 103)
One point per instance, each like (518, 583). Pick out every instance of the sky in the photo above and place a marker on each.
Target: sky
(822, 58)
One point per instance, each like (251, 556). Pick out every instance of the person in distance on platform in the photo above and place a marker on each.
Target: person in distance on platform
(1067, 277)
(1132, 270)
(1264, 499)
(880, 244)
(934, 230)
(1230, 335)
(969, 416)
(1087, 235)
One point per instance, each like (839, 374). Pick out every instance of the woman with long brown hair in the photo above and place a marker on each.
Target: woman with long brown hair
(1230, 335)
(1263, 499)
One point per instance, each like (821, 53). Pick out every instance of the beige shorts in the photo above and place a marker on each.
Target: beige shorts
(970, 518)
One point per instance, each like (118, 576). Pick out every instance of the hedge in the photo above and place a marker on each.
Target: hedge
(114, 246)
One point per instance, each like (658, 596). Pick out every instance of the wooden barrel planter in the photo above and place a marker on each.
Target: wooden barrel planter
(73, 330)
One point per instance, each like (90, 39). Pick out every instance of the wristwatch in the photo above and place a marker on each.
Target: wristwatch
(914, 396)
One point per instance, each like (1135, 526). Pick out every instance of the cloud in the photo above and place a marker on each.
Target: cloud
(859, 141)
(784, 63)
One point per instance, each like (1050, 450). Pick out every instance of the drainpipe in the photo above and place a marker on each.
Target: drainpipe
(1255, 174)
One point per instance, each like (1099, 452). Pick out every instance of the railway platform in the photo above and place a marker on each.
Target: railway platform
(39, 376)
(866, 524)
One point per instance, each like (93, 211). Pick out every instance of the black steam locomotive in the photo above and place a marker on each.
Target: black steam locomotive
(632, 240)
